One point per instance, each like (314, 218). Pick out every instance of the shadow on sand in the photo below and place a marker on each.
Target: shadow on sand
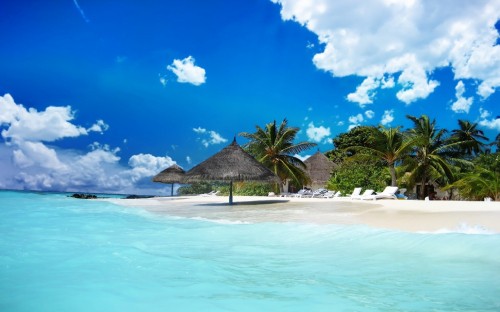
(248, 203)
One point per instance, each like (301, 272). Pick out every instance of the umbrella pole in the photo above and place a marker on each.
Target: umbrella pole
(172, 191)
(231, 192)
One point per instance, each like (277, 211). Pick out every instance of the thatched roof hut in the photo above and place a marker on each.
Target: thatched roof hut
(232, 163)
(319, 169)
(173, 174)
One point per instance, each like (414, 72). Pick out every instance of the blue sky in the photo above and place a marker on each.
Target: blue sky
(101, 95)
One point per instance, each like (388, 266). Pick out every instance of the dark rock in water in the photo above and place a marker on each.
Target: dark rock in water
(138, 196)
(83, 196)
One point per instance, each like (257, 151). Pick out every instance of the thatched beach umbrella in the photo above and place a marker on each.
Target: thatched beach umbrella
(232, 163)
(173, 174)
(319, 169)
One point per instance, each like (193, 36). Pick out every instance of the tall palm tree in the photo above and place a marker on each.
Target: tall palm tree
(388, 145)
(274, 147)
(430, 158)
(470, 137)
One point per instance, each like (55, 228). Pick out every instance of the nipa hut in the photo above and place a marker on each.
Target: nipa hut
(231, 164)
(171, 175)
(319, 169)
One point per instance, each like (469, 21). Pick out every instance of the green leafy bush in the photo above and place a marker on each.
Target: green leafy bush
(353, 174)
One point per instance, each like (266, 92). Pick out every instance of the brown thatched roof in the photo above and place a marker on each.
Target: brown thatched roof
(232, 163)
(319, 168)
(173, 174)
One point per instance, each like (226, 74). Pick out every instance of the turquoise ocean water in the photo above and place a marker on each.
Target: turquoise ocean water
(64, 254)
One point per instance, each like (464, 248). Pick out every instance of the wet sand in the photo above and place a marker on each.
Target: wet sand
(404, 215)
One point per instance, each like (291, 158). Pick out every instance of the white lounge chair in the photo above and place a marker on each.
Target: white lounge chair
(364, 195)
(303, 193)
(209, 194)
(319, 193)
(329, 194)
(388, 193)
(355, 193)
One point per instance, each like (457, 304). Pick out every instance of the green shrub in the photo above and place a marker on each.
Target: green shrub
(353, 174)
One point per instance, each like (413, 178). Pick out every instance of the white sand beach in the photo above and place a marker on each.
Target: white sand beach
(404, 215)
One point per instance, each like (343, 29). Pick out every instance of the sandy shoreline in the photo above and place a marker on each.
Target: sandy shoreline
(404, 215)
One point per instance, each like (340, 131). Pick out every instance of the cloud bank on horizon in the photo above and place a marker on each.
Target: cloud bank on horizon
(390, 42)
(28, 162)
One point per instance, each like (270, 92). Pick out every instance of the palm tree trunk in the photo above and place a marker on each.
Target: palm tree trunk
(392, 170)
(422, 189)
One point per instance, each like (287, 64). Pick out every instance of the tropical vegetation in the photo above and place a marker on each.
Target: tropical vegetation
(423, 155)
(460, 161)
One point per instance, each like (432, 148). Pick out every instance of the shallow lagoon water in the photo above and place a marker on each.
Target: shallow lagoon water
(64, 254)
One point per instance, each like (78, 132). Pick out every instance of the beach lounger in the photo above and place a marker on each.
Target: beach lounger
(388, 193)
(355, 193)
(303, 193)
(329, 194)
(319, 193)
(209, 194)
(364, 195)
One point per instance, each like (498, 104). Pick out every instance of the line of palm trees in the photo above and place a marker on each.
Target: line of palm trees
(419, 155)
(425, 153)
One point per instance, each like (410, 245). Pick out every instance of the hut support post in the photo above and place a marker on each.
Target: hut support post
(172, 190)
(231, 192)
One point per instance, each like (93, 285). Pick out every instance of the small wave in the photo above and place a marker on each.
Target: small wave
(464, 228)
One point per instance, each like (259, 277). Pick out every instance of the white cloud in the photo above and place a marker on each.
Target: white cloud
(163, 80)
(26, 129)
(35, 153)
(462, 104)
(355, 121)
(209, 137)
(488, 123)
(406, 40)
(99, 126)
(189, 160)
(487, 88)
(387, 117)
(414, 82)
(147, 165)
(318, 134)
(215, 138)
(187, 72)
(27, 163)
(364, 92)
(484, 113)
(30, 125)
(200, 130)
(369, 114)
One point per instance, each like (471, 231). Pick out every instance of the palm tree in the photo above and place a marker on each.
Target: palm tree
(470, 137)
(430, 158)
(273, 146)
(478, 184)
(388, 145)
